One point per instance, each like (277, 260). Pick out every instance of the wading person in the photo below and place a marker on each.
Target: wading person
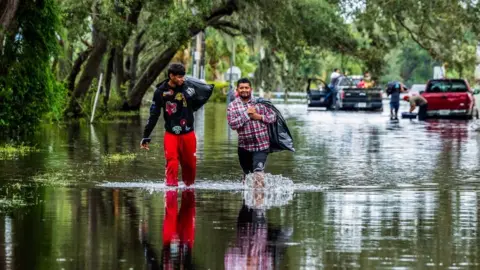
(393, 90)
(250, 120)
(419, 101)
(179, 142)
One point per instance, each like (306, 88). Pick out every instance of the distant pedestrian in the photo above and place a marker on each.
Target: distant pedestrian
(334, 77)
(393, 90)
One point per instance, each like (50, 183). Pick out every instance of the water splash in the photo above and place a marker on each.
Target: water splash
(278, 191)
(272, 181)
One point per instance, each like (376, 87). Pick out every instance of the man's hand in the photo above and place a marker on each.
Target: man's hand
(251, 110)
(144, 144)
(256, 116)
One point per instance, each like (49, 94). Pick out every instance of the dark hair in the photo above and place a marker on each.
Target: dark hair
(176, 69)
(244, 80)
(335, 69)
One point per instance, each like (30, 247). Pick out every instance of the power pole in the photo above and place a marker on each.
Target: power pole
(477, 65)
(202, 58)
(198, 47)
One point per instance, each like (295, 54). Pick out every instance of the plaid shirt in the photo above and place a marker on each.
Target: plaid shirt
(252, 134)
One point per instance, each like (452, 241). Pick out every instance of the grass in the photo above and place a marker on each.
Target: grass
(123, 114)
(8, 204)
(10, 151)
(59, 179)
(13, 197)
(119, 157)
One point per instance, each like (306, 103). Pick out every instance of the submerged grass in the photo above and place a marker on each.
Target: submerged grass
(8, 204)
(13, 196)
(119, 157)
(60, 179)
(119, 117)
(10, 151)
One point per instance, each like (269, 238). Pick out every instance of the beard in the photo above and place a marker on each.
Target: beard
(245, 95)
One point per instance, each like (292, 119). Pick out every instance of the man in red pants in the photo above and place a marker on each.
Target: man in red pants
(180, 143)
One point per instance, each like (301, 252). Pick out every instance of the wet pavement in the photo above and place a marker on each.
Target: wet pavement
(359, 193)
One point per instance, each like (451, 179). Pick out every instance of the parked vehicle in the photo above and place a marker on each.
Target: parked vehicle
(450, 97)
(417, 88)
(348, 95)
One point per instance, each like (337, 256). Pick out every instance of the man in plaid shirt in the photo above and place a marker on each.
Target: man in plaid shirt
(250, 120)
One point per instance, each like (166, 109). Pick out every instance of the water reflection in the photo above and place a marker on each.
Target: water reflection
(178, 234)
(258, 244)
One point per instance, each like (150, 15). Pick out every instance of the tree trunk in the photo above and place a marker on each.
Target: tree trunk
(137, 48)
(108, 78)
(119, 72)
(89, 72)
(134, 99)
(8, 10)
(77, 65)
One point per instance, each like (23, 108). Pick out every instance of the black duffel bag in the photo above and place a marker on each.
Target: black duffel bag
(280, 137)
(203, 91)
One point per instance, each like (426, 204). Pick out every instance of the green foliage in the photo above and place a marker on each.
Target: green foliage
(219, 92)
(10, 151)
(220, 47)
(28, 88)
(446, 29)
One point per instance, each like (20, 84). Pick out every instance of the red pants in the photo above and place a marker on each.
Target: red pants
(179, 226)
(180, 149)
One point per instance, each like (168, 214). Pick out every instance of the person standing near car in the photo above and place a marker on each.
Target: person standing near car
(419, 101)
(179, 142)
(333, 84)
(250, 120)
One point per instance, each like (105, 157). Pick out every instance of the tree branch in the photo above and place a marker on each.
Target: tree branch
(86, 43)
(413, 35)
(228, 28)
(228, 31)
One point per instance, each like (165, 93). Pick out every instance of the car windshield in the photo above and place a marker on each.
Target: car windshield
(349, 82)
(444, 86)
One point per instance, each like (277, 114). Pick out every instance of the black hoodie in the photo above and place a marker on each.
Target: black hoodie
(177, 109)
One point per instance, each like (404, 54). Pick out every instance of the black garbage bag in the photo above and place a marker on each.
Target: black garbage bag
(280, 137)
(203, 91)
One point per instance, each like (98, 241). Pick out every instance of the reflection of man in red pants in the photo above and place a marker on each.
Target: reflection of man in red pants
(180, 143)
(178, 230)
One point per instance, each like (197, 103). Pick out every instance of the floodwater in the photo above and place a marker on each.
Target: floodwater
(359, 193)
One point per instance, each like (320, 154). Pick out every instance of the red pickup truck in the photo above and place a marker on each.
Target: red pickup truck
(450, 97)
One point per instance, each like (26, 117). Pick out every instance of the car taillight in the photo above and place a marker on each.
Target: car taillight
(342, 95)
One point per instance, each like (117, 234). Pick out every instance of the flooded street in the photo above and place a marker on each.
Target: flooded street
(359, 193)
